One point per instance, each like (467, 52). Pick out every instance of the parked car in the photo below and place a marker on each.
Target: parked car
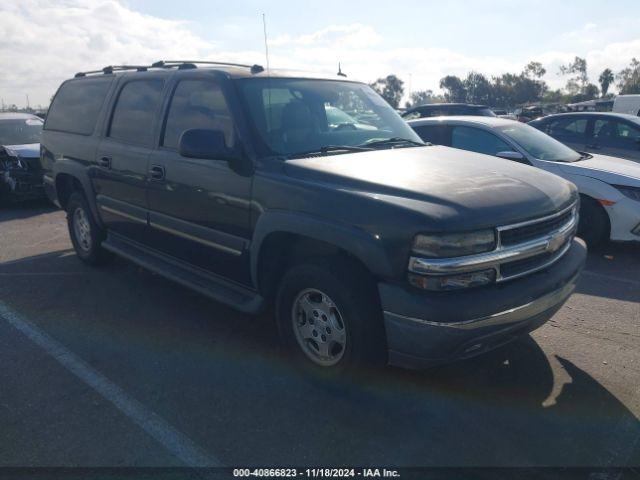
(526, 114)
(612, 134)
(372, 246)
(502, 113)
(627, 104)
(609, 187)
(20, 171)
(446, 109)
(340, 120)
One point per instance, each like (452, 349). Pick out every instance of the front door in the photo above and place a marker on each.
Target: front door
(199, 209)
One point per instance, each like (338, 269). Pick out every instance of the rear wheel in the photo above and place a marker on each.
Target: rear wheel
(594, 227)
(329, 317)
(86, 235)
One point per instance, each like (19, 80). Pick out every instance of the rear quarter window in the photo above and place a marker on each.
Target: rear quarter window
(77, 104)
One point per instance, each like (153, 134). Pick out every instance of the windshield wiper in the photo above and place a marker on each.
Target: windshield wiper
(329, 148)
(394, 141)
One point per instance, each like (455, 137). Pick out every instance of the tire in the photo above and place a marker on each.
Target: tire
(86, 235)
(342, 305)
(594, 226)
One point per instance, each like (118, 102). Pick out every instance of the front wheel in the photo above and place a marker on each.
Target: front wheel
(594, 226)
(329, 317)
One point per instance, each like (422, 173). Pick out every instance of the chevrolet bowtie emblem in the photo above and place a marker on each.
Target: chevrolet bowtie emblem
(555, 242)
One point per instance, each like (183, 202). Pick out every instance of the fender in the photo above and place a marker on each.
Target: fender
(79, 171)
(362, 245)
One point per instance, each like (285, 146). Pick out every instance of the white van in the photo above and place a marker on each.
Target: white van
(629, 104)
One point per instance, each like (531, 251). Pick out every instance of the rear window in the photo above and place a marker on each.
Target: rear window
(135, 111)
(77, 104)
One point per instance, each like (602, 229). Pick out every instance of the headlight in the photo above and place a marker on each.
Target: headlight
(632, 192)
(454, 244)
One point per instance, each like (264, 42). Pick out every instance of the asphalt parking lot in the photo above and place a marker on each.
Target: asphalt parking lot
(119, 367)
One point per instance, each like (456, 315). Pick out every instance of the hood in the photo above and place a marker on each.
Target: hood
(608, 169)
(30, 150)
(464, 189)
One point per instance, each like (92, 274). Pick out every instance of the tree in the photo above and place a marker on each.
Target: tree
(391, 88)
(629, 78)
(423, 97)
(606, 79)
(454, 89)
(534, 70)
(579, 68)
(510, 90)
(478, 89)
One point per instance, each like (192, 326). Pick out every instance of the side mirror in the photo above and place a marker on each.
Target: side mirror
(510, 155)
(205, 143)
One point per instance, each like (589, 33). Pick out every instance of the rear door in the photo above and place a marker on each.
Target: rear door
(200, 208)
(617, 138)
(120, 176)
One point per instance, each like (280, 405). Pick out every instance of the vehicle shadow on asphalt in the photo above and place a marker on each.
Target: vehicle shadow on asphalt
(219, 377)
(25, 209)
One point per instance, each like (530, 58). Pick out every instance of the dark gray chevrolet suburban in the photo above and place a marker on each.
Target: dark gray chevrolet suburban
(372, 246)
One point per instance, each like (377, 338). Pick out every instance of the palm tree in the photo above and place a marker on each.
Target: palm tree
(605, 80)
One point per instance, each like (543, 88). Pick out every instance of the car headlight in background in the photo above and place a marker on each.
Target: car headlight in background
(454, 244)
(632, 192)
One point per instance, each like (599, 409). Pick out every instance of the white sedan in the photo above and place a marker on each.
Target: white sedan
(609, 187)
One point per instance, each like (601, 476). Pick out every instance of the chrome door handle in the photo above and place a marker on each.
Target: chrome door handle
(156, 172)
(105, 162)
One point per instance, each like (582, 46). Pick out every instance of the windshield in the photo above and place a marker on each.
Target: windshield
(20, 131)
(539, 145)
(294, 116)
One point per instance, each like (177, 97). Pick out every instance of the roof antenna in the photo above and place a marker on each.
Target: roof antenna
(340, 72)
(266, 52)
(266, 44)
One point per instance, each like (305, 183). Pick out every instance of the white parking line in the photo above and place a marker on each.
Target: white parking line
(173, 441)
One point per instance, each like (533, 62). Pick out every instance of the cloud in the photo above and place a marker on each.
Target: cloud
(44, 42)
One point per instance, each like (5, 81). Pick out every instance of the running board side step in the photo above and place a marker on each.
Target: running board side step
(212, 286)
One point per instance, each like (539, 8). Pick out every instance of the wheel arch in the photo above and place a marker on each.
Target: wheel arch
(70, 177)
(281, 238)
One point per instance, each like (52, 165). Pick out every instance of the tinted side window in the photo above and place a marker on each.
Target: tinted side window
(436, 134)
(197, 104)
(477, 140)
(77, 104)
(135, 111)
(568, 127)
(613, 130)
(628, 132)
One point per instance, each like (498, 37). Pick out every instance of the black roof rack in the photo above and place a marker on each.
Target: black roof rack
(255, 68)
(114, 68)
(179, 64)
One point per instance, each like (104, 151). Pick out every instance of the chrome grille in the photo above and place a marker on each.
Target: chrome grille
(558, 229)
(522, 248)
(513, 236)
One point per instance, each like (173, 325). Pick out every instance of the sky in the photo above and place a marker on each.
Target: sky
(43, 42)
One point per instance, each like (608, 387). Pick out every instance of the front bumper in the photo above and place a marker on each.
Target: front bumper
(624, 216)
(426, 328)
(22, 184)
